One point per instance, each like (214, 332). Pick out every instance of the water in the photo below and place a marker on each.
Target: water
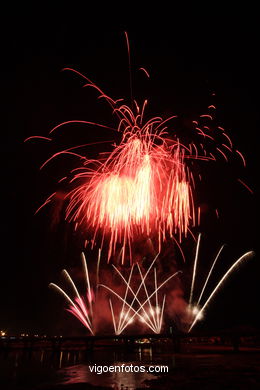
(69, 370)
(44, 369)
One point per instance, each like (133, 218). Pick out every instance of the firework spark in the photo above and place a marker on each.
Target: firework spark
(194, 308)
(143, 187)
(146, 307)
(81, 307)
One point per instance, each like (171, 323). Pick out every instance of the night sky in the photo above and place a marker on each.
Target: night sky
(188, 58)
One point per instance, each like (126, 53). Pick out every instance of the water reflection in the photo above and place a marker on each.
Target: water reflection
(81, 374)
(50, 369)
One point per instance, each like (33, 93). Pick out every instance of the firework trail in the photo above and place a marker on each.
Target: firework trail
(81, 307)
(149, 311)
(194, 310)
(143, 187)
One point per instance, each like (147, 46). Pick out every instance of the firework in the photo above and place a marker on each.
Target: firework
(80, 306)
(143, 187)
(195, 309)
(145, 307)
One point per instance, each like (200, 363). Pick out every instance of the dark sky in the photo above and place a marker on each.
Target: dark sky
(188, 56)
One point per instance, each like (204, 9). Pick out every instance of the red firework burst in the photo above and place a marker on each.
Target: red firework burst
(143, 187)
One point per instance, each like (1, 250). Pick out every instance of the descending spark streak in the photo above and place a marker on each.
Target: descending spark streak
(162, 312)
(126, 291)
(78, 307)
(145, 71)
(156, 301)
(48, 200)
(179, 247)
(78, 299)
(74, 309)
(237, 262)
(229, 140)
(84, 262)
(113, 316)
(198, 216)
(246, 186)
(127, 304)
(135, 296)
(143, 280)
(206, 116)
(98, 265)
(151, 295)
(194, 269)
(242, 157)
(223, 154)
(71, 281)
(80, 122)
(37, 137)
(151, 316)
(63, 293)
(210, 272)
(129, 65)
(147, 295)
